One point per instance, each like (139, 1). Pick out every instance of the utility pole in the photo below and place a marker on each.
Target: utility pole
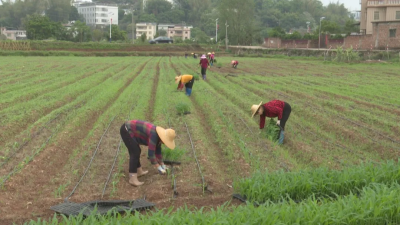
(216, 30)
(133, 37)
(226, 35)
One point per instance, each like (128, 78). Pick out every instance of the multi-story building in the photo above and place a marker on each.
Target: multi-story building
(179, 31)
(379, 25)
(99, 14)
(378, 11)
(146, 28)
(13, 34)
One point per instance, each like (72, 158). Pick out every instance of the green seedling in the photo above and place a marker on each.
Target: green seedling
(182, 108)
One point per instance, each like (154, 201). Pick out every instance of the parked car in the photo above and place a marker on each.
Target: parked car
(161, 40)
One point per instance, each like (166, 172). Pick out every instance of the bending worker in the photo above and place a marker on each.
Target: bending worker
(234, 63)
(274, 108)
(188, 80)
(137, 132)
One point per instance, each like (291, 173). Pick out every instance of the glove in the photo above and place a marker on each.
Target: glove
(278, 122)
(164, 167)
(161, 171)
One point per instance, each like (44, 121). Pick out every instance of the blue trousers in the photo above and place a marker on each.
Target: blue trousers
(188, 91)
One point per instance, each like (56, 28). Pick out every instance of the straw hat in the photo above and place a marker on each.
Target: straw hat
(232, 62)
(213, 52)
(254, 109)
(209, 53)
(167, 136)
(177, 79)
(203, 57)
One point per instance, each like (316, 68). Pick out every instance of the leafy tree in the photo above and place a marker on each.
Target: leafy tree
(330, 27)
(74, 15)
(240, 17)
(156, 7)
(59, 10)
(97, 34)
(294, 36)
(199, 35)
(38, 27)
(117, 34)
(277, 32)
(143, 37)
(121, 14)
(350, 27)
(147, 18)
(80, 31)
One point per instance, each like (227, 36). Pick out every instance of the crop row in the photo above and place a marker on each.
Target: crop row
(263, 186)
(377, 204)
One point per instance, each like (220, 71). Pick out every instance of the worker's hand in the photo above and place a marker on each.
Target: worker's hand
(164, 167)
(161, 171)
(278, 123)
(209, 67)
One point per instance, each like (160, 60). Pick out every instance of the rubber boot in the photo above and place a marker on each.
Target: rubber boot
(204, 77)
(141, 172)
(281, 137)
(133, 180)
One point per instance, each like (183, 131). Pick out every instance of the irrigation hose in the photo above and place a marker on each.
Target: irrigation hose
(91, 160)
(115, 157)
(195, 157)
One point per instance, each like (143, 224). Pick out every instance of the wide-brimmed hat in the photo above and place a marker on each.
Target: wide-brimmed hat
(209, 53)
(167, 136)
(213, 52)
(177, 79)
(254, 109)
(233, 62)
(203, 57)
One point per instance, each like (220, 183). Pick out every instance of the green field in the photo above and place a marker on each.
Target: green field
(57, 112)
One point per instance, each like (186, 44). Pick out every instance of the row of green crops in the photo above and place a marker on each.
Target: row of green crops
(377, 204)
(320, 183)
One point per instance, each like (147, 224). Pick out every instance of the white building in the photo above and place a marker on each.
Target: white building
(99, 14)
(13, 34)
(164, 26)
(146, 28)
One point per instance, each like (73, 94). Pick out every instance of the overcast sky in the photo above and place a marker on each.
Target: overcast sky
(349, 4)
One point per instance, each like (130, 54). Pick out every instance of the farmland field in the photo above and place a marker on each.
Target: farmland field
(58, 114)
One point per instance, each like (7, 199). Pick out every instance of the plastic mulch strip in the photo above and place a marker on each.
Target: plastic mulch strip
(86, 208)
(168, 162)
(241, 198)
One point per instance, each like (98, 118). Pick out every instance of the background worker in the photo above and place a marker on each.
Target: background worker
(234, 63)
(274, 108)
(187, 80)
(137, 132)
(204, 64)
(212, 58)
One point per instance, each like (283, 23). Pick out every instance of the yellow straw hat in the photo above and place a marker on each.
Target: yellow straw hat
(167, 136)
(254, 109)
(177, 79)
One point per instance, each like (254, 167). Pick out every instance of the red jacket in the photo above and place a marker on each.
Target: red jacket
(204, 63)
(272, 109)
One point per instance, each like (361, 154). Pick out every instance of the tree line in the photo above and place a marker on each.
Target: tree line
(246, 21)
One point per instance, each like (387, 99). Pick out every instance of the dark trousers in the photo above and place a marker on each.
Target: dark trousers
(203, 71)
(133, 149)
(285, 114)
(190, 83)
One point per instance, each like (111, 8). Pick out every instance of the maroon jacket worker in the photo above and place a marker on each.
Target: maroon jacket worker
(272, 109)
(137, 132)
